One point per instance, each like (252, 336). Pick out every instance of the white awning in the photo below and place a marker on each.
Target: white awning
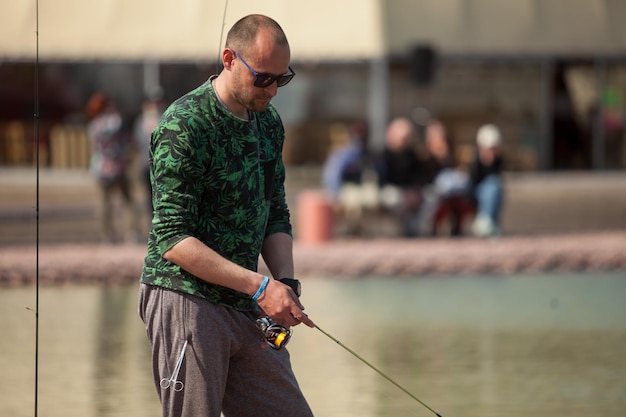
(509, 27)
(187, 30)
(190, 30)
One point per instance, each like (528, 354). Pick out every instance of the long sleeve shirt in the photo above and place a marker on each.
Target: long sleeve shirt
(217, 178)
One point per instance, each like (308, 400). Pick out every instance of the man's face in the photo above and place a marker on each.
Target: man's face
(247, 95)
(263, 57)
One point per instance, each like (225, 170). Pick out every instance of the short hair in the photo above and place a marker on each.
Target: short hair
(400, 133)
(96, 104)
(243, 33)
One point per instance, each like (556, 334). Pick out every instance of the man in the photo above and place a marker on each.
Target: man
(219, 202)
(346, 163)
(148, 119)
(400, 175)
(110, 159)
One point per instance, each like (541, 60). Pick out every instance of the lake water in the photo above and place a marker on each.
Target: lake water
(510, 346)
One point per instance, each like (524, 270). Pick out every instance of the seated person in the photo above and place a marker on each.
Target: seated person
(399, 175)
(345, 179)
(346, 163)
(448, 196)
(486, 181)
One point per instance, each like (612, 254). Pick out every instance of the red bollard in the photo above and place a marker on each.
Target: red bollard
(315, 217)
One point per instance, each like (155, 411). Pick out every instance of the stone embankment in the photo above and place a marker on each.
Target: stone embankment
(344, 259)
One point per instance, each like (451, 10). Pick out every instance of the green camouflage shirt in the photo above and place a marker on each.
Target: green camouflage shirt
(217, 178)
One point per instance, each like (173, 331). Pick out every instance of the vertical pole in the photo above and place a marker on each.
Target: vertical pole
(378, 102)
(151, 77)
(598, 137)
(545, 114)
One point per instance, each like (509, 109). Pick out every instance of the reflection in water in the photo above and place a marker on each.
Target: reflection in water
(92, 354)
(112, 337)
(497, 346)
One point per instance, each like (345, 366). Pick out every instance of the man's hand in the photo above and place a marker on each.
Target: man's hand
(282, 304)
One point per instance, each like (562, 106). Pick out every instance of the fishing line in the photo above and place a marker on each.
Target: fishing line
(316, 326)
(377, 370)
(37, 145)
(219, 47)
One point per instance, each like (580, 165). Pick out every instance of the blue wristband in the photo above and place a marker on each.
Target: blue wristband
(258, 293)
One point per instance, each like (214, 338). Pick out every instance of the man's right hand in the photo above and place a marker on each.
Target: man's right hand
(281, 303)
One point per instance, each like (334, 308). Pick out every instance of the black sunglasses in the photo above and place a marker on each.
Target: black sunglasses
(264, 79)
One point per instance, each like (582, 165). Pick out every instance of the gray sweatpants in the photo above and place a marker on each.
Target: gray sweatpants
(226, 367)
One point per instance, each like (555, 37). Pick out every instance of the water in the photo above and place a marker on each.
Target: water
(466, 346)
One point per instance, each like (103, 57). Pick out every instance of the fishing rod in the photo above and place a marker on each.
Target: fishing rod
(277, 336)
(219, 47)
(37, 146)
(377, 370)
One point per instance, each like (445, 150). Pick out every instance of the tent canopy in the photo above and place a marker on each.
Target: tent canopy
(187, 30)
(190, 30)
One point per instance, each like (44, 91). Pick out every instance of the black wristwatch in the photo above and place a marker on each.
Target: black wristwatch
(293, 283)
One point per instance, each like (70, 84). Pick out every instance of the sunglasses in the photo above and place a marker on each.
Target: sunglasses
(264, 79)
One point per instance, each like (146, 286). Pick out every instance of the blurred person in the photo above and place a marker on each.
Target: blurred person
(146, 122)
(607, 113)
(109, 163)
(346, 163)
(219, 203)
(486, 181)
(447, 196)
(399, 175)
(350, 180)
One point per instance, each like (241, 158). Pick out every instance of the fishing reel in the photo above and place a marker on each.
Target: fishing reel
(274, 334)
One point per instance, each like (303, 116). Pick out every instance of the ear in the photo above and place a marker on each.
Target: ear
(227, 58)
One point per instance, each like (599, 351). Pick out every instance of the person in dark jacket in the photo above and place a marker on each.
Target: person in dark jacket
(400, 174)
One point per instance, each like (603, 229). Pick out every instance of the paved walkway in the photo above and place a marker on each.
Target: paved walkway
(536, 204)
(556, 222)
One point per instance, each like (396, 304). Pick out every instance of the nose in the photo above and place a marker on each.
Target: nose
(272, 89)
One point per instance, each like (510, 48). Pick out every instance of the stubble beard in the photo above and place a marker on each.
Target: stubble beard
(246, 96)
